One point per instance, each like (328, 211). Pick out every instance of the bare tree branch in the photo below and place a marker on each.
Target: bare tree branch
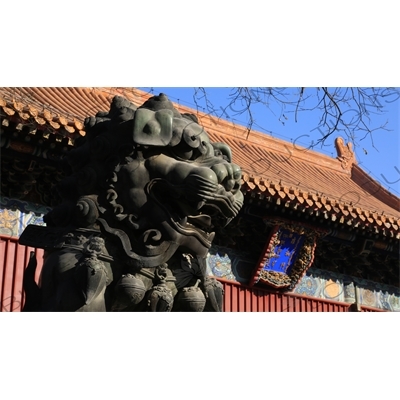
(342, 110)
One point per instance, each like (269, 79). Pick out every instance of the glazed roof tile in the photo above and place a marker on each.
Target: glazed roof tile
(272, 168)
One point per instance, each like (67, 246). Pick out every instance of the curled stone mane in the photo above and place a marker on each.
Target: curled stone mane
(147, 190)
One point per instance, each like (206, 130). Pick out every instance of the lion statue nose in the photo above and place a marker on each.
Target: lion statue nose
(228, 175)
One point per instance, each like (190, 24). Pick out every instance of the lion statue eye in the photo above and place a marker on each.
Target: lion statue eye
(184, 152)
(184, 155)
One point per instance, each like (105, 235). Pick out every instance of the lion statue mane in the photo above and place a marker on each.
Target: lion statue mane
(145, 192)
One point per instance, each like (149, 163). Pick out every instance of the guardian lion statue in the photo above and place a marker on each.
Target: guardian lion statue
(145, 191)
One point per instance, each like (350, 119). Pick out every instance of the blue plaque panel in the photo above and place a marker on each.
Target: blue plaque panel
(287, 255)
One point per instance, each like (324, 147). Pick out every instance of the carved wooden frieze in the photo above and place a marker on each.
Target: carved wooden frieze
(287, 255)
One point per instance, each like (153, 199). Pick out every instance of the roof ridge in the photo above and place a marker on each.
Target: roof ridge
(215, 124)
(374, 188)
(230, 129)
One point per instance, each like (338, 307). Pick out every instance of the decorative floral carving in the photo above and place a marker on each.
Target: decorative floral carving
(298, 261)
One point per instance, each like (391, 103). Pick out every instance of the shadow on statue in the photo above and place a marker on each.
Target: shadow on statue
(144, 191)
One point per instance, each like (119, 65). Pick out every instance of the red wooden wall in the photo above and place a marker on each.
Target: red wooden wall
(371, 309)
(243, 298)
(238, 298)
(13, 261)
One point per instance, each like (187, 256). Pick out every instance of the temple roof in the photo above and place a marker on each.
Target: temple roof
(273, 170)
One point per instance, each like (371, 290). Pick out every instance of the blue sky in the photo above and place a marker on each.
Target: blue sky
(378, 154)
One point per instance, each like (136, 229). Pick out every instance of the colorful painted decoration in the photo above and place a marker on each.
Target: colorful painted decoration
(286, 257)
(16, 215)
